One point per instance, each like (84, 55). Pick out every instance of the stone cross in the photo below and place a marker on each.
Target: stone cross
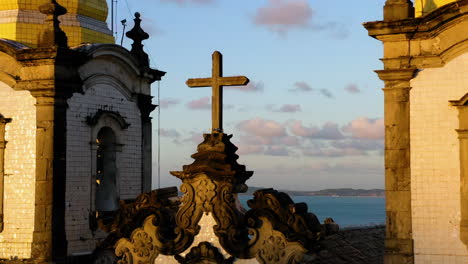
(217, 81)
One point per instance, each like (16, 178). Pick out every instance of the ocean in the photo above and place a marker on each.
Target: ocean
(346, 211)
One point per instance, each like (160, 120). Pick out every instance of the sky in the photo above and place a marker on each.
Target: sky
(311, 117)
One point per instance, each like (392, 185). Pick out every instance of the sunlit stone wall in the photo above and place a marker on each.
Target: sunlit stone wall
(20, 171)
(435, 163)
(80, 168)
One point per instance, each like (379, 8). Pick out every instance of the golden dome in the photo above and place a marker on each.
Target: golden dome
(85, 22)
(423, 7)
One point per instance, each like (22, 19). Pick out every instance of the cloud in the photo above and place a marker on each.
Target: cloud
(301, 87)
(168, 102)
(203, 103)
(183, 2)
(333, 152)
(336, 30)
(326, 93)
(195, 137)
(366, 128)
(352, 88)
(280, 16)
(149, 25)
(250, 87)
(289, 141)
(276, 151)
(329, 131)
(299, 130)
(262, 128)
(361, 144)
(171, 133)
(249, 149)
(267, 137)
(286, 108)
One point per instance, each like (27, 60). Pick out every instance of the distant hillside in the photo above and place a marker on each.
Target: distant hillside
(330, 192)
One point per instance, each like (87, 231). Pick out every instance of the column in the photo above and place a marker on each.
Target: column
(146, 107)
(42, 235)
(398, 241)
(3, 122)
(463, 139)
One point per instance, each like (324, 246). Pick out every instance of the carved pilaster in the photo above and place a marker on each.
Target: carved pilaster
(42, 235)
(3, 122)
(398, 241)
(395, 10)
(462, 106)
(51, 87)
(146, 107)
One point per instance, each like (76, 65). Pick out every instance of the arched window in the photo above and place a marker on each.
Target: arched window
(106, 199)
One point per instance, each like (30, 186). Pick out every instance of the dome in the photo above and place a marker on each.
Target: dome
(85, 22)
(423, 7)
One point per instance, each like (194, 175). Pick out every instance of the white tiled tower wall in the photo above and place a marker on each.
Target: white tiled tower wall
(435, 163)
(20, 171)
(79, 163)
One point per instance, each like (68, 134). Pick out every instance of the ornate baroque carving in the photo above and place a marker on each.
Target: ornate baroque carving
(204, 253)
(275, 230)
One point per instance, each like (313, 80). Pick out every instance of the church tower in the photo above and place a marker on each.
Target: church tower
(75, 127)
(425, 72)
(85, 21)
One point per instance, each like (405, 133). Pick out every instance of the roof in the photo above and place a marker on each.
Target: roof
(354, 246)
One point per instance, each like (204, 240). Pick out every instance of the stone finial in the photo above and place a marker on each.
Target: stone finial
(52, 35)
(395, 10)
(137, 34)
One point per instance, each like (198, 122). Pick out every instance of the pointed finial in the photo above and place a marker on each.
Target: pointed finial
(137, 34)
(52, 35)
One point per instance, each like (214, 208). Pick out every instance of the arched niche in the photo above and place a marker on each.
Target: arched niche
(106, 199)
(107, 133)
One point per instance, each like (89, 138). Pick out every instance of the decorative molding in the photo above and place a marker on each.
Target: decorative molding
(204, 253)
(274, 231)
(93, 120)
(396, 74)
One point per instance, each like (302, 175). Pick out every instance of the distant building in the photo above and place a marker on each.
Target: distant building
(75, 131)
(425, 70)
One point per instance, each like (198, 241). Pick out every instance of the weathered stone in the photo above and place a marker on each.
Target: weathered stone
(419, 82)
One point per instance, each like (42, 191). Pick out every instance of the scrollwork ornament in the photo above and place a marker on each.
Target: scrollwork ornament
(274, 231)
(187, 210)
(126, 256)
(142, 247)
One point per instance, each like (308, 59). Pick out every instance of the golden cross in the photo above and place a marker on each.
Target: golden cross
(217, 81)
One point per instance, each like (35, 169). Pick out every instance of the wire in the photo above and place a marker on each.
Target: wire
(159, 135)
(129, 9)
(115, 20)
